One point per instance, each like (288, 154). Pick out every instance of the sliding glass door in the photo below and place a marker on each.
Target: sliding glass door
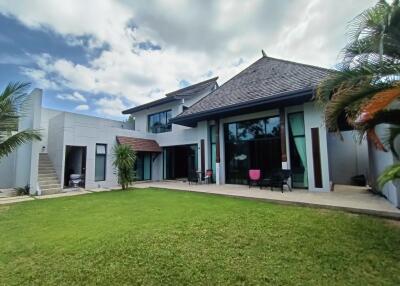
(143, 166)
(252, 144)
(179, 161)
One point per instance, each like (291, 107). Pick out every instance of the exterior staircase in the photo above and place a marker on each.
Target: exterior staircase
(48, 180)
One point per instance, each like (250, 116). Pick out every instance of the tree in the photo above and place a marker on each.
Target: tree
(366, 86)
(11, 110)
(124, 161)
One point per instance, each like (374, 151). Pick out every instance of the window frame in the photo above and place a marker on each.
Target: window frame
(105, 161)
(162, 115)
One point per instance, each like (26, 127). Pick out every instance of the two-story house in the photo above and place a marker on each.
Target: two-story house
(264, 118)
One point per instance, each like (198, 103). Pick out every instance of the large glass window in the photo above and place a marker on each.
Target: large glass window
(159, 122)
(297, 147)
(252, 144)
(100, 162)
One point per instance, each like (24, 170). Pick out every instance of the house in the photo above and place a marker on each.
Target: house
(265, 117)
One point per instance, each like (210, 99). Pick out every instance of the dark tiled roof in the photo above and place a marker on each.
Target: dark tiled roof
(140, 145)
(157, 102)
(265, 78)
(194, 89)
(172, 96)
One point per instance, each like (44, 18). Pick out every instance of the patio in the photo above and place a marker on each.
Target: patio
(347, 198)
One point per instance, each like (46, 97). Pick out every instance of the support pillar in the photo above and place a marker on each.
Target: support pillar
(218, 155)
(282, 118)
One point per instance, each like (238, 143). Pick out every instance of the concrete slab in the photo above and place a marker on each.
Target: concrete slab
(65, 194)
(11, 200)
(356, 200)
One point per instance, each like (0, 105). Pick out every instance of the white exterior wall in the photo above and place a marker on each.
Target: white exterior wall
(46, 115)
(69, 129)
(378, 162)
(55, 148)
(347, 157)
(7, 171)
(313, 118)
(20, 168)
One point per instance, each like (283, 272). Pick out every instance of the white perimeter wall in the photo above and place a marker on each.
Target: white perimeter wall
(20, 168)
(379, 161)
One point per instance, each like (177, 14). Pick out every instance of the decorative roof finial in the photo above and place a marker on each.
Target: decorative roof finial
(263, 54)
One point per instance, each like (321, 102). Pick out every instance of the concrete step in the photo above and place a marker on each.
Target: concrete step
(49, 186)
(46, 181)
(49, 171)
(51, 191)
(45, 164)
(46, 177)
(45, 168)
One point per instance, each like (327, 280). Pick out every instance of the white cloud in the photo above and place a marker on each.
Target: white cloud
(110, 106)
(75, 96)
(40, 77)
(82, 107)
(196, 38)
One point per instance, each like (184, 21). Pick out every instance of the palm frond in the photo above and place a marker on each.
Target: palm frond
(348, 100)
(390, 139)
(378, 102)
(12, 142)
(389, 174)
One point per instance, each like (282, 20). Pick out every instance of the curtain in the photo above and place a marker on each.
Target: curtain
(297, 127)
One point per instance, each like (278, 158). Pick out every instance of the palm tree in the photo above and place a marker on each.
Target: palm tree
(11, 110)
(124, 161)
(367, 84)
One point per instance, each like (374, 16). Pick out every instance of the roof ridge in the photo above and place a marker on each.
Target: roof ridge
(298, 63)
(191, 86)
(242, 71)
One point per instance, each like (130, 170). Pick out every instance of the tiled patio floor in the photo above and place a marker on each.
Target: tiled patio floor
(348, 198)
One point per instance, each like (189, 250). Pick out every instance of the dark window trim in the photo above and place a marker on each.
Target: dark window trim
(250, 119)
(105, 162)
(316, 157)
(168, 121)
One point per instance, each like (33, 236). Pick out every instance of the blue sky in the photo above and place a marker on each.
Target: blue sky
(100, 57)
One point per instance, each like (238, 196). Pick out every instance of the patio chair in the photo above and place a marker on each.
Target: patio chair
(193, 177)
(254, 177)
(281, 178)
(208, 176)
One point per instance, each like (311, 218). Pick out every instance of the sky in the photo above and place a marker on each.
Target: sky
(99, 57)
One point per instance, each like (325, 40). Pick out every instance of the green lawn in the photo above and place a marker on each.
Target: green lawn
(155, 237)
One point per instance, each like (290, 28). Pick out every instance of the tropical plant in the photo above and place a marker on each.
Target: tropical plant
(366, 87)
(23, 191)
(124, 161)
(12, 101)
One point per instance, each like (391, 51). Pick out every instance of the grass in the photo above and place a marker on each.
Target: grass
(163, 237)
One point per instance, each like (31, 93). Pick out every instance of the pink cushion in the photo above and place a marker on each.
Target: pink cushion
(254, 175)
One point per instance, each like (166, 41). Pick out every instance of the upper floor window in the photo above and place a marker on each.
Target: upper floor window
(159, 122)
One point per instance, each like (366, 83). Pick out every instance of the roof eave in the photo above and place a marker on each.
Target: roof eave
(274, 101)
(149, 105)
